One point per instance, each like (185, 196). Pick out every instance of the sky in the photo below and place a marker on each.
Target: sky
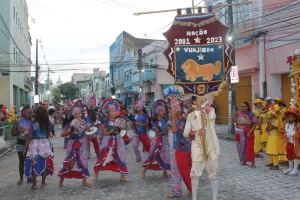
(81, 31)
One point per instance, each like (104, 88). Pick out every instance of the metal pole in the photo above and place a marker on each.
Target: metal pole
(262, 76)
(193, 6)
(140, 66)
(37, 70)
(232, 87)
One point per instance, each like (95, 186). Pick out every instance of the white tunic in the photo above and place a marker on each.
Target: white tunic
(211, 142)
(290, 131)
(212, 146)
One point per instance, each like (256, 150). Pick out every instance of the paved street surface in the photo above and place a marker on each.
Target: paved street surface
(236, 182)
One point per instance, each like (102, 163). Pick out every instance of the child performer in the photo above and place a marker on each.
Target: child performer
(291, 134)
(274, 145)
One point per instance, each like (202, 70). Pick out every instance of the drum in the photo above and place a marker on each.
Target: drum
(93, 133)
(125, 136)
(151, 134)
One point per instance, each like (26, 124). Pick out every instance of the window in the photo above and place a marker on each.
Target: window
(14, 13)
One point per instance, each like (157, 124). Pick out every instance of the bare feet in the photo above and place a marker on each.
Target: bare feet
(190, 194)
(165, 174)
(33, 187)
(86, 185)
(43, 185)
(20, 182)
(170, 196)
(124, 179)
(143, 175)
(61, 183)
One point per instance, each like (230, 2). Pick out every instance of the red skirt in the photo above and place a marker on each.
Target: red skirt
(290, 152)
(250, 155)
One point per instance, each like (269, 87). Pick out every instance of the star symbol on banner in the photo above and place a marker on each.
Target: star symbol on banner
(197, 40)
(177, 49)
(201, 56)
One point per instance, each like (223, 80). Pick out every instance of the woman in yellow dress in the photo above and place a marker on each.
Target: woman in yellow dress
(280, 108)
(264, 123)
(274, 145)
(258, 129)
(12, 115)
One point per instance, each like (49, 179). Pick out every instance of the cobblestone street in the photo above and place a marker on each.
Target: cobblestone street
(236, 182)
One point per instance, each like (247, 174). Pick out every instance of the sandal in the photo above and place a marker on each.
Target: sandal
(170, 196)
(20, 182)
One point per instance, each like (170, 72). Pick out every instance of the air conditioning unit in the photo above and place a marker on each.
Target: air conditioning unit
(4, 74)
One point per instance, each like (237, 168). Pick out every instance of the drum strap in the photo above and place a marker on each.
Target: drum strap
(202, 137)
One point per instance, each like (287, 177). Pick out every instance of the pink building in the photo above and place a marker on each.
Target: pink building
(261, 52)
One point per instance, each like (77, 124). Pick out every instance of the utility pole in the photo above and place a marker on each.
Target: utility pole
(140, 67)
(37, 69)
(193, 6)
(112, 84)
(232, 87)
(48, 78)
(262, 75)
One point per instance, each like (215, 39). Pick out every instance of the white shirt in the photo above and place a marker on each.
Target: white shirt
(51, 107)
(290, 131)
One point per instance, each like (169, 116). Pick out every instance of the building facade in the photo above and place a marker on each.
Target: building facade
(127, 68)
(155, 77)
(265, 36)
(15, 53)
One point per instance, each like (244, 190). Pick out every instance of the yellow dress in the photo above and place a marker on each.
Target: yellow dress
(257, 145)
(281, 116)
(264, 123)
(12, 116)
(274, 145)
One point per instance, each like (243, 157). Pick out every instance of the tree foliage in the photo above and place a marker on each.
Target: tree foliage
(69, 90)
(56, 96)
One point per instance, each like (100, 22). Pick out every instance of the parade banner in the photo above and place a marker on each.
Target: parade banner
(198, 53)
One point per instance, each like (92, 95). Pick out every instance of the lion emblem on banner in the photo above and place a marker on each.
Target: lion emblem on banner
(193, 70)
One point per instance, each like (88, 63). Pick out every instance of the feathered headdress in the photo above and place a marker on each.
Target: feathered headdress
(77, 105)
(91, 101)
(173, 94)
(157, 105)
(140, 102)
(109, 104)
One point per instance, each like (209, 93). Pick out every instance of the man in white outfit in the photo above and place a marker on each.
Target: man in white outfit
(200, 127)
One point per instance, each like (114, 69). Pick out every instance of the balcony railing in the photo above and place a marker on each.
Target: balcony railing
(149, 75)
(28, 83)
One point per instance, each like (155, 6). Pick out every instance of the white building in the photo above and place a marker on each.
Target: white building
(155, 76)
(15, 53)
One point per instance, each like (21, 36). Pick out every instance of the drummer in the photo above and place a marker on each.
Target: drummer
(140, 129)
(112, 156)
(90, 119)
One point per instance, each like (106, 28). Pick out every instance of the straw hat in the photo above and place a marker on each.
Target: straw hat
(257, 101)
(292, 111)
(278, 99)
